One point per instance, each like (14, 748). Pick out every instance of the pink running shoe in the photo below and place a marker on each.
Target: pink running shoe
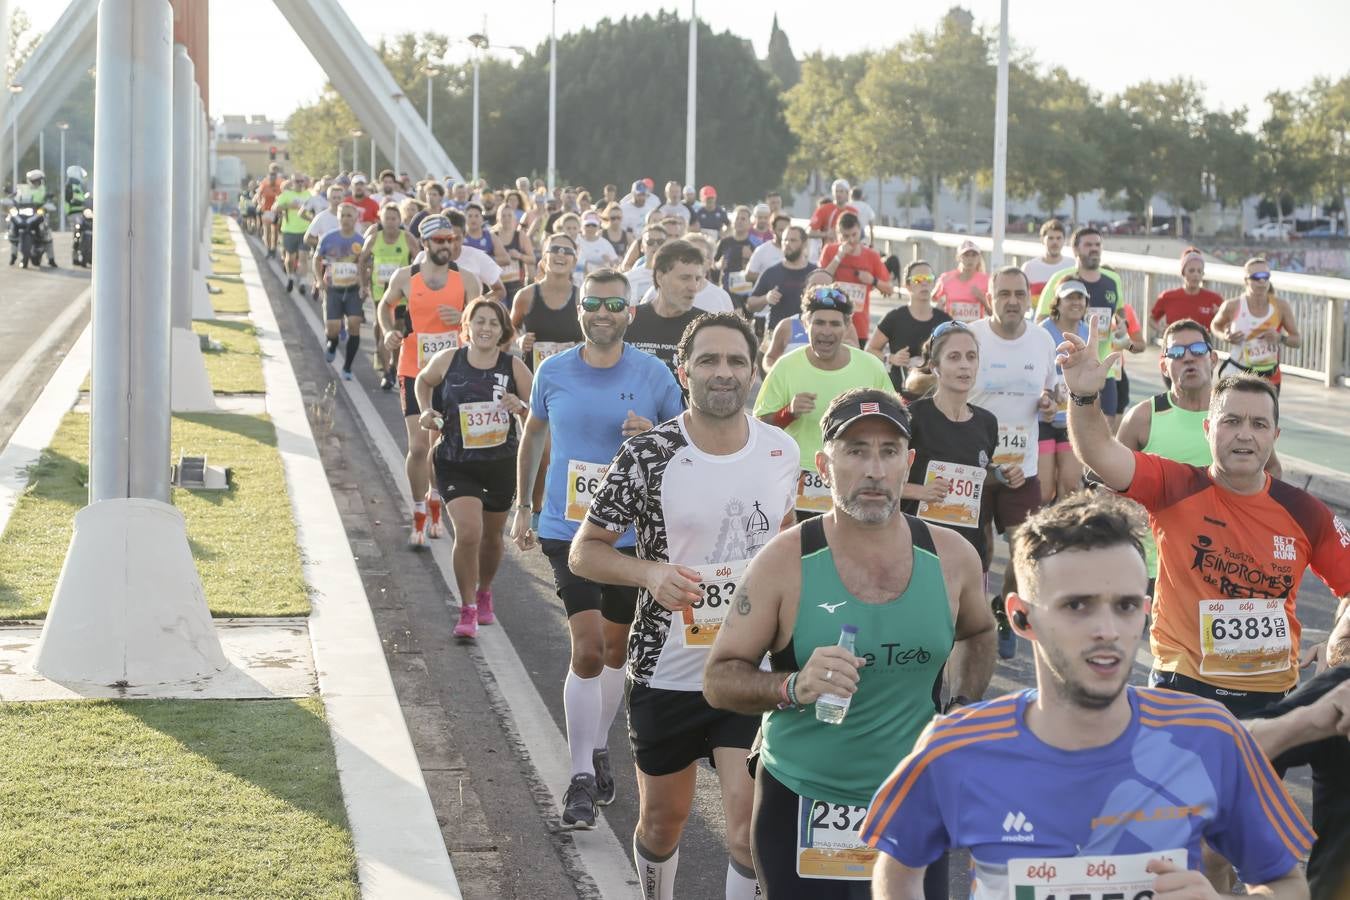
(484, 601)
(468, 622)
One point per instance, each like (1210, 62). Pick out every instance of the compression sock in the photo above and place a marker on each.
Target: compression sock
(741, 882)
(332, 344)
(611, 696)
(656, 873)
(581, 707)
(353, 345)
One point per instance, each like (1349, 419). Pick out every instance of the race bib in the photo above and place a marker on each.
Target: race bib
(855, 293)
(829, 841)
(1261, 349)
(544, 349)
(428, 345)
(737, 285)
(718, 583)
(1244, 637)
(1102, 316)
(583, 480)
(344, 274)
(963, 311)
(961, 506)
(269, 216)
(385, 271)
(1013, 441)
(813, 494)
(483, 425)
(1087, 877)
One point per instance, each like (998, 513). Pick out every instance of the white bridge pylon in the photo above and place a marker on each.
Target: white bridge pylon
(360, 76)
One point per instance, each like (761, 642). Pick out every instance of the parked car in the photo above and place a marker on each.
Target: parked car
(1324, 231)
(1125, 226)
(1272, 231)
(981, 226)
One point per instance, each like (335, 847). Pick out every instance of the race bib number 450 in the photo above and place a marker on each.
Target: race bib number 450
(1244, 637)
(1087, 877)
(829, 841)
(961, 506)
(718, 583)
(583, 480)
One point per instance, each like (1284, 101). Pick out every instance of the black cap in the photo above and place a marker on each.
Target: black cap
(863, 403)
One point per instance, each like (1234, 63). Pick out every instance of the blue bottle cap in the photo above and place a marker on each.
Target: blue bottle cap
(849, 629)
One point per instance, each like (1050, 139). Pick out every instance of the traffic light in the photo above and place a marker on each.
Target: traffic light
(272, 153)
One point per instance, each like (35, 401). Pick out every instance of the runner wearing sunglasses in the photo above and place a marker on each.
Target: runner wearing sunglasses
(803, 383)
(1256, 324)
(898, 340)
(587, 401)
(433, 294)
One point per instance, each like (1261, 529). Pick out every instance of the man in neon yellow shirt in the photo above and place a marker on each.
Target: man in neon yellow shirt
(295, 218)
(802, 383)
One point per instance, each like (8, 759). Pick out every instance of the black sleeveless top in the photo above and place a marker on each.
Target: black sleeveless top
(469, 398)
(552, 324)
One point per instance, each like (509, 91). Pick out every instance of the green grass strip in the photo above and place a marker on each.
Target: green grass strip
(171, 799)
(237, 367)
(243, 539)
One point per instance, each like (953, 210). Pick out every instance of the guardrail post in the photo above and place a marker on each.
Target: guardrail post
(1335, 337)
(1143, 307)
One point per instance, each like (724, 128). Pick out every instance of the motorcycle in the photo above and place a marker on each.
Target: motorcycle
(28, 234)
(82, 238)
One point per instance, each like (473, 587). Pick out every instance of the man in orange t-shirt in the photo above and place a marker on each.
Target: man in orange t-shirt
(1233, 543)
(268, 191)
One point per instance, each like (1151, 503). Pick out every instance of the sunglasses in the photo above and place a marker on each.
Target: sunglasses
(828, 296)
(921, 279)
(1179, 351)
(949, 325)
(444, 242)
(1259, 276)
(611, 304)
(560, 250)
(654, 242)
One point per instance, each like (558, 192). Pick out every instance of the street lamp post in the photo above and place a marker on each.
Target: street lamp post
(14, 91)
(480, 43)
(63, 127)
(356, 133)
(553, 98)
(1000, 212)
(431, 73)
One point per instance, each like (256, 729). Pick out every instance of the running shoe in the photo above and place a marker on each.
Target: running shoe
(346, 375)
(579, 803)
(604, 778)
(1007, 641)
(330, 353)
(304, 291)
(468, 621)
(484, 601)
(386, 384)
(290, 285)
(418, 539)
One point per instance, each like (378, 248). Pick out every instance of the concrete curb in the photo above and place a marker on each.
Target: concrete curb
(399, 849)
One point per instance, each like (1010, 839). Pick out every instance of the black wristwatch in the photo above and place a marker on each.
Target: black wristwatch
(958, 700)
(1084, 399)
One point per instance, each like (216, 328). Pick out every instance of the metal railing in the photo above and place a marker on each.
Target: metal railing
(1320, 304)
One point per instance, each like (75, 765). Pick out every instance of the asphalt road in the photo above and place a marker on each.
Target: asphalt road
(31, 346)
(498, 819)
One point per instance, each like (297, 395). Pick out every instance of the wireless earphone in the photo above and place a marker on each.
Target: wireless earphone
(1019, 618)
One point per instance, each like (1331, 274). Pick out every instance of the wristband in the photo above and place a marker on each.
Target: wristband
(784, 702)
(790, 688)
(784, 417)
(1084, 399)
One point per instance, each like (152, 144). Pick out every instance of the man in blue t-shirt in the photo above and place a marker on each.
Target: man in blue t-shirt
(588, 401)
(1085, 786)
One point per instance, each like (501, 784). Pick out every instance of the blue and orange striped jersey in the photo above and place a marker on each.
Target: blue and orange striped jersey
(1184, 769)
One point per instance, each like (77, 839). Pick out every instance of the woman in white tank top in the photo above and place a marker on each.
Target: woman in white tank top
(1256, 324)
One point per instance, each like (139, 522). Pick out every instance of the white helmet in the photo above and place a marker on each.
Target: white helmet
(35, 175)
(76, 172)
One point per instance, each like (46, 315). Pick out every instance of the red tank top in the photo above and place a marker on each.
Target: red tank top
(429, 334)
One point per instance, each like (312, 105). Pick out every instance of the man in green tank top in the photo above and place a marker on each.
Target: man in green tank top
(1171, 424)
(387, 249)
(913, 591)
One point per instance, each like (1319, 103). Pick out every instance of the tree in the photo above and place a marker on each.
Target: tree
(1326, 127)
(1230, 152)
(1054, 136)
(77, 110)
(823, 112)
(1170, 118)
(1289, 167)
(782, 63)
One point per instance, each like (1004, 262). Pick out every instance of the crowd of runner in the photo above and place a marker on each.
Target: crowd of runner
(772, 529)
